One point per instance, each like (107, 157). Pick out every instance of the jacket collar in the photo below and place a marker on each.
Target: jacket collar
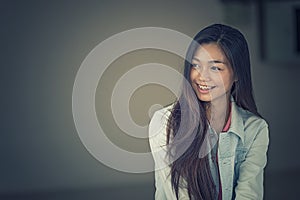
(237, 123)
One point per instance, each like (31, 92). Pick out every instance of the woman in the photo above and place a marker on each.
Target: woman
(212, 142)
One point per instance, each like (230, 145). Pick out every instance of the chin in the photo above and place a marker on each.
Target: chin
(205, 99)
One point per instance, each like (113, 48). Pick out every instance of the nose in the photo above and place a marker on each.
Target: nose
(203, 74)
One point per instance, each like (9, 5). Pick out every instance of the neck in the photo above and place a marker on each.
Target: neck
(218, 113)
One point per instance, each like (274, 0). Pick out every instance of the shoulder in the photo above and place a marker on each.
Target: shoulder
(157, 127)
(160, 117)
(253, 127)
(251, 120)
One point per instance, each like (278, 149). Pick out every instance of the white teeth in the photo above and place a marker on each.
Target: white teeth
(205, 87)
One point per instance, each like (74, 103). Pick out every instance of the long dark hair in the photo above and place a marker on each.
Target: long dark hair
(187, 167)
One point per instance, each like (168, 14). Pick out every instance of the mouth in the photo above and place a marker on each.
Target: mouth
(205, 87)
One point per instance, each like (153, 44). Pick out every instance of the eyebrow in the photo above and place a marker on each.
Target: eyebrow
(210, 61)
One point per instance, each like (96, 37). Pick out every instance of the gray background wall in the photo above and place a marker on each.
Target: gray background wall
(43, 44)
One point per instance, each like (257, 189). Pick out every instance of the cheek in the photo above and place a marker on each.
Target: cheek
(193, 74)
(225, 81)
(228, 84)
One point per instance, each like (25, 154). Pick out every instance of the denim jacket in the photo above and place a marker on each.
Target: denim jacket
(242, 156)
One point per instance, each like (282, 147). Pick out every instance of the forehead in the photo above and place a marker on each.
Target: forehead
(208, 52)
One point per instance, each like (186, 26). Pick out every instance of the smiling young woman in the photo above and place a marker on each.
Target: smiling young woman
(217, 145)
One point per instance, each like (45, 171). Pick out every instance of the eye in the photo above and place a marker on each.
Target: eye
(214, 68)
(197, 66)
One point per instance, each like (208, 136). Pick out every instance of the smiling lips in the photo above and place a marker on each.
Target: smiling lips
(205, 88)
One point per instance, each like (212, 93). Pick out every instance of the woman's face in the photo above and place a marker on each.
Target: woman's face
(211, 74)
